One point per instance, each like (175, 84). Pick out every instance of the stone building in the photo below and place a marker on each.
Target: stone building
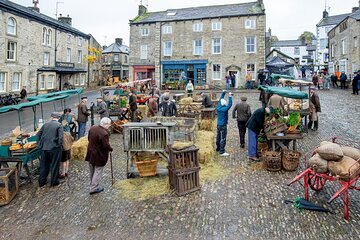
(203, 44)
(344, 49)
(40, 52)
(116, 60)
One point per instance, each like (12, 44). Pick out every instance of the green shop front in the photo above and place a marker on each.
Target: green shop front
(176, 74)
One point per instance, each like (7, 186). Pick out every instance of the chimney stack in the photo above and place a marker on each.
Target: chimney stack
(261, 2)
(354, 9)
(142, 10)
(325, 14)
(118, 41)
(67, 20)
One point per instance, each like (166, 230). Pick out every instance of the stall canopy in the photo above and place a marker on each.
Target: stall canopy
(279, 66)
(285, 92)
(68, 93)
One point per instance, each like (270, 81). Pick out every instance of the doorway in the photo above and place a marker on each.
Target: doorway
(234, 79)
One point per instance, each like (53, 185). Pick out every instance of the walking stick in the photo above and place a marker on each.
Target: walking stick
(112, 171)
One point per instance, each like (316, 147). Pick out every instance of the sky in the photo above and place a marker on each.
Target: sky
(109, 19)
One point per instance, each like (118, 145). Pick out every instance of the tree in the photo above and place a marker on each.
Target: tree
(307, 37)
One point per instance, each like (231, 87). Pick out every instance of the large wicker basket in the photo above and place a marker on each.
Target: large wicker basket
(272, 161)
(290, 160)
(262, 148)
(146, 163)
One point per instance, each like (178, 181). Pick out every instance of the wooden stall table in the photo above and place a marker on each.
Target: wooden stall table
(283, 142)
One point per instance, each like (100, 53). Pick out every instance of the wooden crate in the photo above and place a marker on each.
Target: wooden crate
(208, 113)
(183, 159)
(9, 185)
(184, 181)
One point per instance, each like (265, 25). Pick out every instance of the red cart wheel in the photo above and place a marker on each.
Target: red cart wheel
(316, 183)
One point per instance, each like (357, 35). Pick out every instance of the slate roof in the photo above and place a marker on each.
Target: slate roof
(332, 20)
(116, 48)
(279, 52)
(230, 10)
(26, 12)
(288, 43)
(355, 15)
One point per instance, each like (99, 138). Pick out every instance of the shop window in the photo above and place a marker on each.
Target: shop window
(201, 76)
(216, 26)
(42, 82)
(250, 44)
(2, 82)
(167, 48)
(250, 70)
(50, 82)
(46, 58)
(197, 27)
(145, 32)
(11, 26)
(216, 45)
(173, 77)
(11, 51)
(250, 24)
(167, 30)
(198, 47)
(216, 71)
(80, 56)
(68, 55)
(143, 52)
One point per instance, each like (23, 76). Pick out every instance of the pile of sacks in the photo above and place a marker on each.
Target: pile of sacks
(341, 161)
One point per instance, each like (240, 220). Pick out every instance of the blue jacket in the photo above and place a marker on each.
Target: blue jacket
(222, 111)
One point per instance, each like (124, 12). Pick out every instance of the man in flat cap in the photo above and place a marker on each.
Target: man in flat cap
(50, 140)
(242, 113)
(206, 101)
(102, 108)
(83, 117)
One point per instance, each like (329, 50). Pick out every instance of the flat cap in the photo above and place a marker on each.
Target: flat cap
(55, 115)
(82, 98)
(243, 98)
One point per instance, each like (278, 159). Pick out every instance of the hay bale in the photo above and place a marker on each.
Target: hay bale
(143, 109)
(205, 143)
(187, 100)
(177, 145)
(79, 149)
(143, 188)
(208, 125)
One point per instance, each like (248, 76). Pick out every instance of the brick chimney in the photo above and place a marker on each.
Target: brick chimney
(142, 10)
(118, 41)
(67, 20)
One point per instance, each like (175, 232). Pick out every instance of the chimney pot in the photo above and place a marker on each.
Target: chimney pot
(118, 41)
(142, 10)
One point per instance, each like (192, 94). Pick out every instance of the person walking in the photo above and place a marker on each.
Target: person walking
(334, 80)
(303, 72)
(133, 106)
(153, 106)
(232, 76)
(326, 81)
(189, 88)
(315, 79)
(228, 82)
(102, 108)
(83, 117)
(314, 107)
(242, 113)
(98, 153)
(23, 94)
(356, 83)
(66, 120)
(222, 110)
(255, 124)
(343, 78)
(50, 140)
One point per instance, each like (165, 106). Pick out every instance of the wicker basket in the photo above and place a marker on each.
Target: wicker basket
(290, 160)
(272, 161)
(146, 163)
(262, 148)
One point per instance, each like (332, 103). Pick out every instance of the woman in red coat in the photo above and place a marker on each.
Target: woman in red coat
(98, 153)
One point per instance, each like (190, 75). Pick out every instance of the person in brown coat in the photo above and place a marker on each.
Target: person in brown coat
(83, 116)
(98, 152)
(242, 113)
(153, 106)
(315, 107)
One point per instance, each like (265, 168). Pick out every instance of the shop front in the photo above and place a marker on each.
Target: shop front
(176, 74)
(144, 72)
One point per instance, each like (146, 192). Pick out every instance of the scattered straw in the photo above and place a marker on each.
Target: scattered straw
(79, 149)
(181, 145)
(143, 188)
(212, 171)
(187, 100)
(208, 125)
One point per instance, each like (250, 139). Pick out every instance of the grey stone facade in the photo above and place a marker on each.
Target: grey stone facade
(44, 52)
(232, 34)
(344, 49)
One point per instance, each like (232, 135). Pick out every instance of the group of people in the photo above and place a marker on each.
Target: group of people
(322, 80)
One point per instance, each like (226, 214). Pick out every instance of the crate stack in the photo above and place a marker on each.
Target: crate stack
(184, 170)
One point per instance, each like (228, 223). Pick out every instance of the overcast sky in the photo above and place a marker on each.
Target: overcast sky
(108, 19)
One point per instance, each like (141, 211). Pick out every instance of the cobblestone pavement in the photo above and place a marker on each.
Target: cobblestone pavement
(248, 204)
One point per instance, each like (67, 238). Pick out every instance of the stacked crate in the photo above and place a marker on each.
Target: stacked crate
(184, 170)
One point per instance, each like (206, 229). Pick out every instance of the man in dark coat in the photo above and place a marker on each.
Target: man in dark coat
(314, 107)
(242, 113)
(334, 80)
(102, 108)
(98, 153)
(83, 117)
(50, 140)
(133, 106)
(222, 110)
(343, 78)
(255, 125)
(206, 101)
(23, 94)
(168, 108)
(355, 83)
